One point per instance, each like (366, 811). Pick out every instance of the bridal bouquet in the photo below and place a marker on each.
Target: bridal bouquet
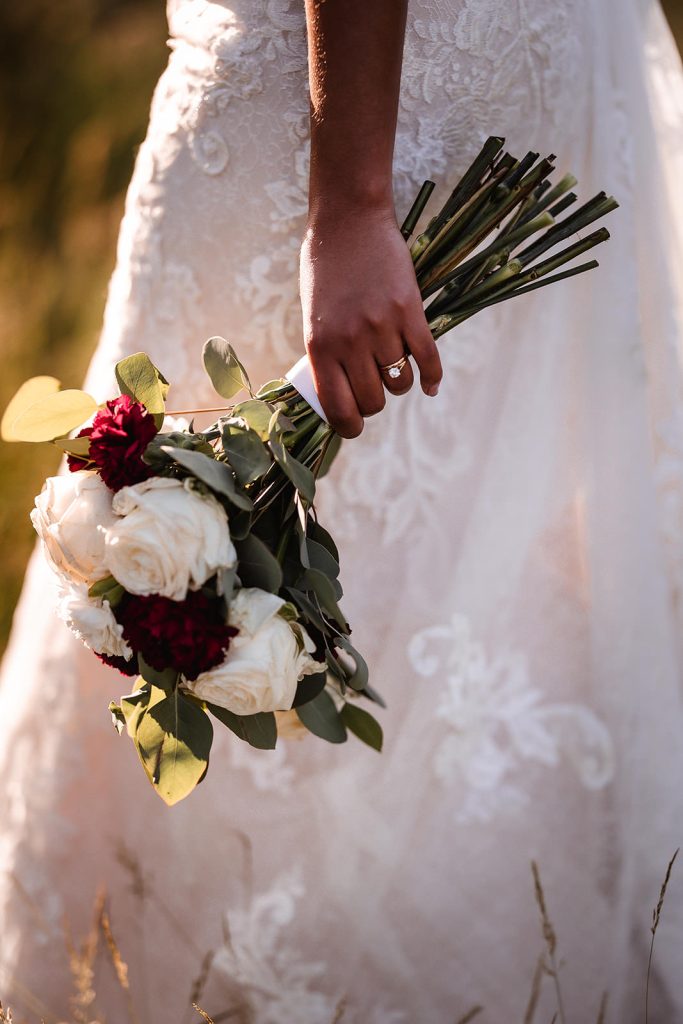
(195, 561)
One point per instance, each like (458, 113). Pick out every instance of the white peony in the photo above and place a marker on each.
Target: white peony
(263, 664)
(92, 620)
(169, 538)
(70, 515)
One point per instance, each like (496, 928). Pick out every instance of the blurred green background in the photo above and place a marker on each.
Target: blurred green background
(76, 79)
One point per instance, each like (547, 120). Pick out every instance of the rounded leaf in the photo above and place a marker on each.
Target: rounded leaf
(30, 392)
(53, 416)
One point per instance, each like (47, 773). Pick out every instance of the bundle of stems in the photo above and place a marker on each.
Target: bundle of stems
(498, 235)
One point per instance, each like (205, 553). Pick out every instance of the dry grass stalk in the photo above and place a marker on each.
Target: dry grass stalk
(470, 1015)
(550, 939)
(5, 1015)
(656, 915)
(200, 981)
(82, 967)
(340, 1010)
(203, 1014)
(602, 1015)
(535, 994)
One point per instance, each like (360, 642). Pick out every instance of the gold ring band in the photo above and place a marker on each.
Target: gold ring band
(394, 369)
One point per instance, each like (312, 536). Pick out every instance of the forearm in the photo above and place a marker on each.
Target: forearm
(355, 55)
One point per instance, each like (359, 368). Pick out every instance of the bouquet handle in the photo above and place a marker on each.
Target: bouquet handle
(301, 376)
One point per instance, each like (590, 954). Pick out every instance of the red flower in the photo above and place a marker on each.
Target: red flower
(129, 667)
(119, 436)
(190, 636)
(74, 462)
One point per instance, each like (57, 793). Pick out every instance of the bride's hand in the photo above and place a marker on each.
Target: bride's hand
(361, 309)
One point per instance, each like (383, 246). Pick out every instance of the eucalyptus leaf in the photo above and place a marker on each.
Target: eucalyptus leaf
(118, 717)
(321, 717)
(321, 559)
(325, 591)
(322, 536)
(358, 680)
(138, 377)
(216, 475)
(166, 679)
(174, 739)
(308, 609)
(30, 393)
(363, 725)
(258, 730)
(78, 446)
(330, 455)
(52, 416)
(309, 687)
(256, 415)
(227, 374)
(300, 475)
(257, 566)
(247, 454)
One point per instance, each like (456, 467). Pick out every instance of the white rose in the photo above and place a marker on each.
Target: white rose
(169, 538)
(92, 620)
(70, 515)
(263, 664)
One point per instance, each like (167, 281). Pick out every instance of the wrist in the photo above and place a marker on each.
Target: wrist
(365, 198)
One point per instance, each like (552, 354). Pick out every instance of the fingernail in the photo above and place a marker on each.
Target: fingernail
(433, 390)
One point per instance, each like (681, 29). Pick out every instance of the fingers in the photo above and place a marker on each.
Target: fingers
(366, 382)
(337, 397)
(423, 348)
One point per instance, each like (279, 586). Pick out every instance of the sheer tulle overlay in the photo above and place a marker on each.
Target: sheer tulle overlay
(512, 553)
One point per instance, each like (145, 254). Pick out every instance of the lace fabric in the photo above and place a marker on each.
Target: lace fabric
(511, 553)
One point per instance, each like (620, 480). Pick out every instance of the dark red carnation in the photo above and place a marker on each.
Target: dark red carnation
(118, 437)
(190, 636)
(129, 667)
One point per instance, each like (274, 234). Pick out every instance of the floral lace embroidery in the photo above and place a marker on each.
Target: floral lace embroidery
(496, 722)
(277, 981)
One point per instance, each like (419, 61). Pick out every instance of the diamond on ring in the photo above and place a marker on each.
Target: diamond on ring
(394, 372)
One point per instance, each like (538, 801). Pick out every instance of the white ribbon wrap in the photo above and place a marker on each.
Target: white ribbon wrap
(301, 377)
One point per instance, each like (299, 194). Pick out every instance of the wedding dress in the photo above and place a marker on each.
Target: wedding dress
(512, 553)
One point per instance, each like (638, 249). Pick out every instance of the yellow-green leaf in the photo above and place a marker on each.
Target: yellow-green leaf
(174, 740)
(53, 416)
(30, 392)
(138, 377)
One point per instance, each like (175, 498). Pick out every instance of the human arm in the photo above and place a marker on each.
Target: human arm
(360, 299)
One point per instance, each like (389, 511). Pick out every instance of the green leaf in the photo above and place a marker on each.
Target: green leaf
(174, 739)
(321, 717)
(308, 609)
(30, 393)
(117, 716)
(331, 453)
(272, 386)
(358, 680)
(216, 475)
(79, 446)
(138, 377)
(247, 454)
(300, 475)
(227, 374)
(309, 687)
(258, 730)
(52, 416)
(256, 415)
(321, 559)
(320, 534)
(257, 566)
(165, 680)
(326, 593)
(134, 705)
(363, 725)
(109, 590)
(227, 579)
